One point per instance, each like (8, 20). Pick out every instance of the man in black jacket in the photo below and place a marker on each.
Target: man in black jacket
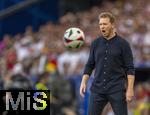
(112, 59)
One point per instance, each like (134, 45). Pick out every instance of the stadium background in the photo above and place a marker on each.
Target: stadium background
(31, 45)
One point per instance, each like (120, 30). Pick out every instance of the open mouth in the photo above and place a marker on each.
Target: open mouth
(103, 31)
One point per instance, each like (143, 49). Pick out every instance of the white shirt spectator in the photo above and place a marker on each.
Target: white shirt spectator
(146, 43)
(71, 58)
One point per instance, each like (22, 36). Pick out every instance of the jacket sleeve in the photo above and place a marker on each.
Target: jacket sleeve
(90, 65)
(128, 59)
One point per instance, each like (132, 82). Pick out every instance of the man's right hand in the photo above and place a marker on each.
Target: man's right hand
(83, 85)
(82, 89)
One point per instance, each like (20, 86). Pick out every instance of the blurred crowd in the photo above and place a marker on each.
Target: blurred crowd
(41, 57)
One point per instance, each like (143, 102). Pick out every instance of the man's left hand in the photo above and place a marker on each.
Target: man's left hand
(129, 95)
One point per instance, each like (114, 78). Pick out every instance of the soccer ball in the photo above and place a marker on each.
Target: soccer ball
(73, 38)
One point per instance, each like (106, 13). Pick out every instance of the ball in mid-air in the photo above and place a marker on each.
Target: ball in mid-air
(73, 38)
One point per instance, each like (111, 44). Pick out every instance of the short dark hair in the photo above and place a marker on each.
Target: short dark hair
(107, 15)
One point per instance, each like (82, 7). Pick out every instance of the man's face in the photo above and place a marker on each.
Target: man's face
(106, 27)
